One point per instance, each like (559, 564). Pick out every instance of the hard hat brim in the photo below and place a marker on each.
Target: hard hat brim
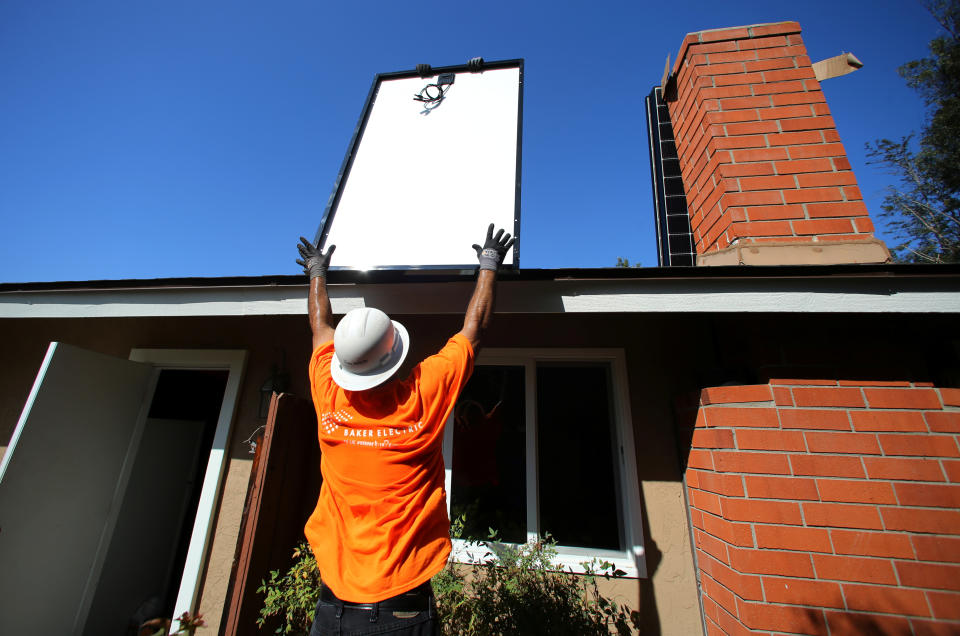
(351, 381)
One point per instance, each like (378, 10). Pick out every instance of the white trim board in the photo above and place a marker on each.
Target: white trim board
(234, 361)
(855, 295)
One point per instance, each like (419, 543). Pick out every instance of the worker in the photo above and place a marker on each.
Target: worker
(380, 530)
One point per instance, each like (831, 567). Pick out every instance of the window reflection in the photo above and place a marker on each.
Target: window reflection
(489, 467)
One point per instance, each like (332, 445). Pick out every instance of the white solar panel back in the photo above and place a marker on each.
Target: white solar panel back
(421, 182)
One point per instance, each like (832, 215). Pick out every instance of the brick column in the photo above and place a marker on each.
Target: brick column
(766, 176)
(821, 503)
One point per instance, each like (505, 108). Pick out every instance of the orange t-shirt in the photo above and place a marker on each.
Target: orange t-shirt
(380, 527)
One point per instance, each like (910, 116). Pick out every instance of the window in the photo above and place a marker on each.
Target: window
(540, 442)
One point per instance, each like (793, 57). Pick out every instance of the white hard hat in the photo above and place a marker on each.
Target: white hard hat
(368, 348)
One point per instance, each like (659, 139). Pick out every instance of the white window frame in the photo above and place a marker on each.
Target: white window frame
(234, 361)
(632, 559)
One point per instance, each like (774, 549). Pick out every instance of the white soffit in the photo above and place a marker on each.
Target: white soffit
(543, 297)
(424, 184)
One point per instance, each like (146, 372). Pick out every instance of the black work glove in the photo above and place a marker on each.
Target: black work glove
(494, 249)
(313, 261)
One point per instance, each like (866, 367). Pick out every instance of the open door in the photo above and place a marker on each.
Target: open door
(283, 491)
(61, 482)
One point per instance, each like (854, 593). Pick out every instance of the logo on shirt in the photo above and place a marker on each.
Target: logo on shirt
(336, 424)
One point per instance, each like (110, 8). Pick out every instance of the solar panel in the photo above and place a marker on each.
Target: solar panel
(674, 239)
(435, 158)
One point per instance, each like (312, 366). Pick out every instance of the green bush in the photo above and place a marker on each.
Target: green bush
(512, 590)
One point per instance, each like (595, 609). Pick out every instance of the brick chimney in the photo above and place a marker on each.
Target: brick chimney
(766, 177)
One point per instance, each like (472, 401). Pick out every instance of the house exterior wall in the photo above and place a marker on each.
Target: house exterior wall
(824, 504)
(667, 599)
(762, 162)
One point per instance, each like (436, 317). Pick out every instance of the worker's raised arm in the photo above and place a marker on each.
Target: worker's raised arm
(315, 264)
(480, 309)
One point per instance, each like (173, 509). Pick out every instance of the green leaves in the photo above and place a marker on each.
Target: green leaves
(520, 589)
(923, 210)
(291, 599)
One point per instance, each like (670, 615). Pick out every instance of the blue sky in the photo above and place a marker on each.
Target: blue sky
(159, 139)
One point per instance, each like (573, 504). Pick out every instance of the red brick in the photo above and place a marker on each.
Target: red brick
(773, 213)
(736, 199)
(821, 179)
(732, 56)
(798, 620)
(858, 491)
(943, 421)
(845, 568)
(713, 438)
(711, 545)
(771, 562)
(706, 501)
(875, 544)
(919, 520)
(795, 138)
(792, 538)
(931, 445)
(767, 183)
(810, 396)
(888, 383)
(814, 419)
(902, 398)
(837, 209)
(763, 42)
(735, 142)
(810, 195)
(826, 466)
(928, 495)
(789, 74)
(817, 150)
(736, 394)
(745, 169)
(929, 575)
(807, 123)
(752, 128)
(776, 28)
(742, 417)
(782, 396)
(887, 421)
(803, 382)
(942, 549)
(751, 462)
(798, 166)
(801, 592)
(781, 488)
(952, 468)
(761, 228)
(731, 626)
(802, 97)
(743, 585)
(714, 35)
(839, 163)
(759, 154)
(841, 516)
(719, 594)
(722, 68)
(733, 533)
(779, 112)
(888, 600)
(950, 397)
(852, 192)
(754, 511)
(850, 624)
(824, 226)
(922, 627)
(945, 605)
(842, 442)
(730, 485)
(770, 440)
(738, 78)
(904, 469)
(769, 64)
(699, 459)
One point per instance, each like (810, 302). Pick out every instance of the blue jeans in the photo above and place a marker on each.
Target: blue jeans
(336, 618)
